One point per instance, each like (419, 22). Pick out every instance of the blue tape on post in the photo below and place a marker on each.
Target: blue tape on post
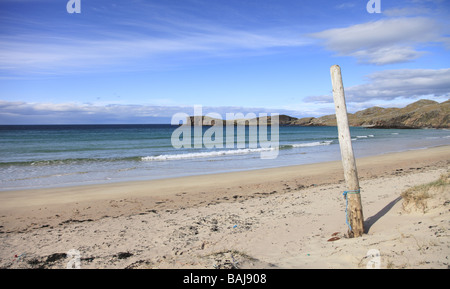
(346, 206)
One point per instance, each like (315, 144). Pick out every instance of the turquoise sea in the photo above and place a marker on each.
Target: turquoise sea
(41, 156)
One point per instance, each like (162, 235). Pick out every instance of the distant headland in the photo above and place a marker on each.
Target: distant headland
(420, 114)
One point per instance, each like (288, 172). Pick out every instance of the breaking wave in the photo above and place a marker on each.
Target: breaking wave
(204, 154)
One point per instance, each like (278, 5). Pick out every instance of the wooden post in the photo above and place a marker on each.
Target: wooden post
(354, 211)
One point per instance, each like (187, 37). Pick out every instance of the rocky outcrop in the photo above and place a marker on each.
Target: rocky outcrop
(206, 120)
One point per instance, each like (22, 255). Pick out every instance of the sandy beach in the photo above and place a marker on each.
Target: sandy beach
(288, 217)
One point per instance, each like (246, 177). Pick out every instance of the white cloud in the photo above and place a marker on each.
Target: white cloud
(382, 42)
(16, 112)
(389, 85)
(405, 83)
(386, 55)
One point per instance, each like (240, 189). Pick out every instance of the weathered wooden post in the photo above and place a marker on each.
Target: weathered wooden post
(354, 213)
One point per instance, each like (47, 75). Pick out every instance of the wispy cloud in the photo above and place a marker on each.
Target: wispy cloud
(382, 42)
(345, 5)
(43, 53)
(407, 11)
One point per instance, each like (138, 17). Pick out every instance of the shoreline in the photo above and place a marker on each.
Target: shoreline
(187, 175)
(167, 193)
(269, 218)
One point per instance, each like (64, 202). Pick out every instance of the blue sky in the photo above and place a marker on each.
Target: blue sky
(140, 61)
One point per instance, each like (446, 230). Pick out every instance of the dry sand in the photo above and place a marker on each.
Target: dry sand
(270, 218)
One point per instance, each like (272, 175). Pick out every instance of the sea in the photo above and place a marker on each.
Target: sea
(44, 156)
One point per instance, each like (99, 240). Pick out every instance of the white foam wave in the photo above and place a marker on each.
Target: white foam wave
(312, 144)
(205, 154)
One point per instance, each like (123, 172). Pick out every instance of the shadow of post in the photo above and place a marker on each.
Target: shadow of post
(373, 219)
